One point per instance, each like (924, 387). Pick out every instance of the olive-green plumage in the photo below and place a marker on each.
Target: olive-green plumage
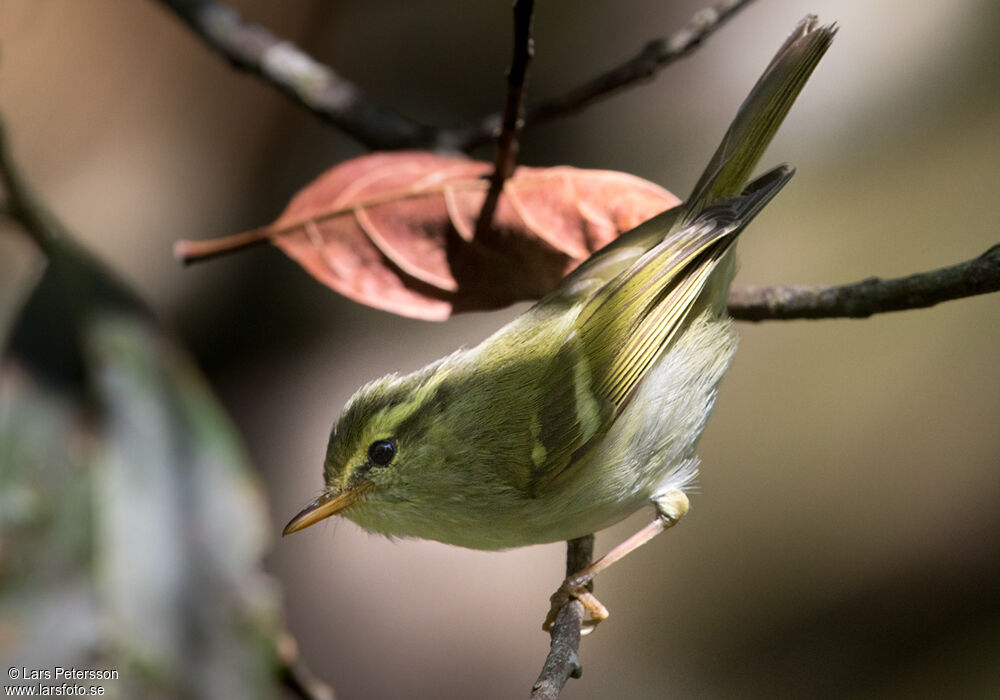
(587, 406)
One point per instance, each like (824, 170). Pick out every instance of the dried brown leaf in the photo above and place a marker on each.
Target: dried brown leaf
(397, 230)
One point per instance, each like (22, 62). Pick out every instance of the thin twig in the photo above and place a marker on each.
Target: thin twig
(508, 141)
(980, 275)
(562, 663)
(654, 56)
(312, 84)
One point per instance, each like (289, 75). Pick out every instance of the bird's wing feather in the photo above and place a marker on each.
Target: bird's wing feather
(624, 327)
(643, 288)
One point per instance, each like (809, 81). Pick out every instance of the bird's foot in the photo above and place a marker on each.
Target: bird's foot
(575, 588)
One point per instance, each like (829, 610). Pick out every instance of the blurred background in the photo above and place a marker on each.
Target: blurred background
(845, 538)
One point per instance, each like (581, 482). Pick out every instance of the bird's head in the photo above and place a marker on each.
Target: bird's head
(382, 448)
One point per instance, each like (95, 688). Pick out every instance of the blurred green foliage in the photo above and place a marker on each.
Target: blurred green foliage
(131, 528)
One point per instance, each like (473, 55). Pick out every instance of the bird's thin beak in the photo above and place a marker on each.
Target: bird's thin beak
(323, 507)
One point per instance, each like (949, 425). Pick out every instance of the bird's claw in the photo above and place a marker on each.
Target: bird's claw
(576, 590)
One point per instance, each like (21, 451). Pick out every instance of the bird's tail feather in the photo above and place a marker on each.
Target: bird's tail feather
(759, 117)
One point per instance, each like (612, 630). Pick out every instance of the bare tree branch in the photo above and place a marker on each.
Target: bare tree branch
(654, 56)
(562, 662)
(315, 86)
(507, 142)
(334, 99)
(980, 275)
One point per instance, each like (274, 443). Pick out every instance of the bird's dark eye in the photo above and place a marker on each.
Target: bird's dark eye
(381, 452)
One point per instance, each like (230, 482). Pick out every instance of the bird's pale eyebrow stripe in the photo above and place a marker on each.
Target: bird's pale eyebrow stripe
(402, 414)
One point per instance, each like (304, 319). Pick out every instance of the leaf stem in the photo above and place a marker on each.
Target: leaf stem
(188, 252)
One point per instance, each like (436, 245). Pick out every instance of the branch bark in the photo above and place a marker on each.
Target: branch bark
(562, 663)
(313, 85)
(981, 275)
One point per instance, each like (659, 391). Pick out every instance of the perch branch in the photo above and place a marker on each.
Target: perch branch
(980, 275)
(313, 85)
(507, 142)
(562, 662)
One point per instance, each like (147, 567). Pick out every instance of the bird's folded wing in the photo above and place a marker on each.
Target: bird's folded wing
(625, 327)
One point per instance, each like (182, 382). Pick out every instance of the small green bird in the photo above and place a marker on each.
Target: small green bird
(587, 406)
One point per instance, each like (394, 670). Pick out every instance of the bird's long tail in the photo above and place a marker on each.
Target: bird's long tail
(625, 324)
(759, 117)
(726, 175)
